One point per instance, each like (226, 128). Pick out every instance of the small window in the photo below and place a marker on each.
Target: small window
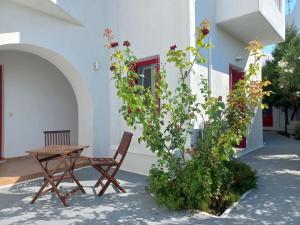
(148, 69)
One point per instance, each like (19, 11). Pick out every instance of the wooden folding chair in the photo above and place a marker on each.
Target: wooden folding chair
(108, 167)
(57, 137)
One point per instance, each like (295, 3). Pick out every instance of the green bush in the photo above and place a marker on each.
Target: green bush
(235, 179)
(197, 187)
(297, 132)
(243, 177)
(190, 190)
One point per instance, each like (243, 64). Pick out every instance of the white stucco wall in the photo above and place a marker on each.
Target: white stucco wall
(37, 97)
(224, 53)
(261, 19)
(152, 28)
(152, 34)
(73, 49)
(279, 118)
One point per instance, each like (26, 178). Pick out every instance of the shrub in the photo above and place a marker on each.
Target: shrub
(190, 190)
(238, 179)
(191, 179)
(198, 187)
(244, 178)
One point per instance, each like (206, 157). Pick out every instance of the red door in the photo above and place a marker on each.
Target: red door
(234, 76)
(1, 115)
(268, 117)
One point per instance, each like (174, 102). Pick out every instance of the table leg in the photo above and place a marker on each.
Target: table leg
(49, 180)
(69, 160)
(39, 192)
(71, 167)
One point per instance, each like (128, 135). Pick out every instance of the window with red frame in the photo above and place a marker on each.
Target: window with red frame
(147, 68)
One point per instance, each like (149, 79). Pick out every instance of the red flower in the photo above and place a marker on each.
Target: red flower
(205, 27)
(126, 44)
(173, 47)
(114, 44)
(132, 67)
(112, 67)
(205, 31)
(132, 83)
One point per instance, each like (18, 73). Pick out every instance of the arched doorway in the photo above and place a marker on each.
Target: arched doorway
(75, 81)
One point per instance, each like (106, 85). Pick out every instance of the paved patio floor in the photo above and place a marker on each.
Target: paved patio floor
(276, 201)
(19, 169)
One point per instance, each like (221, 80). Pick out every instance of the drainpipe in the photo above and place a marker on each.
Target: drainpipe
(209, 68)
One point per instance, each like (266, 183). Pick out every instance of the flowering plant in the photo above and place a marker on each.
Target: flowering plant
(168, 128)
(185, 177)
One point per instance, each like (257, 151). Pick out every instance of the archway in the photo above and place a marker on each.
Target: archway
(81, 91)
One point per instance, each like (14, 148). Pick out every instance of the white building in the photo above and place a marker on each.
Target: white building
(55, 69)
(274, 118)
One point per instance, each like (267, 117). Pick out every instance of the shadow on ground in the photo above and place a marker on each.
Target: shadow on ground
(276, 200)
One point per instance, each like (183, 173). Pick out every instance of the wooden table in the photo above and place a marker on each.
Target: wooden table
(66, 156)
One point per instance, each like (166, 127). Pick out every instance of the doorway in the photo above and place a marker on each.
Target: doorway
(1, 114)
(235, 75)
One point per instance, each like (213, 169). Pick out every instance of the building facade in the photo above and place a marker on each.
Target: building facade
(55, 69)
(274, 118)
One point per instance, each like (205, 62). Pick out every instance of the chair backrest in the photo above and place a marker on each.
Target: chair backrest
(123, 147)
(57, 137)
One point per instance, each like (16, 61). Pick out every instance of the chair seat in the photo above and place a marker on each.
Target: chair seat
(104, 161)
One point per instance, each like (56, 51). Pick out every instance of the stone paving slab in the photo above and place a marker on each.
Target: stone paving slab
(275, 201)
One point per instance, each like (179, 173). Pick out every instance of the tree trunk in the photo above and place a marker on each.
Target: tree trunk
(294, 112)
(286, 119)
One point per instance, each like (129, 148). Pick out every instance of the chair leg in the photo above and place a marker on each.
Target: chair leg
(102, 177)
(99, 182)
(102, 191)
(117, 185)
(110, 179)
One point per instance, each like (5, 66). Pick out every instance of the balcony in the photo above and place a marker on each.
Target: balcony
(255, 19)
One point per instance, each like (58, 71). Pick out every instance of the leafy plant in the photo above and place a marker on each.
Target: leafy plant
(167, 129)
(186, 178)
(243, 177)
(283, 71)
(239, 179)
